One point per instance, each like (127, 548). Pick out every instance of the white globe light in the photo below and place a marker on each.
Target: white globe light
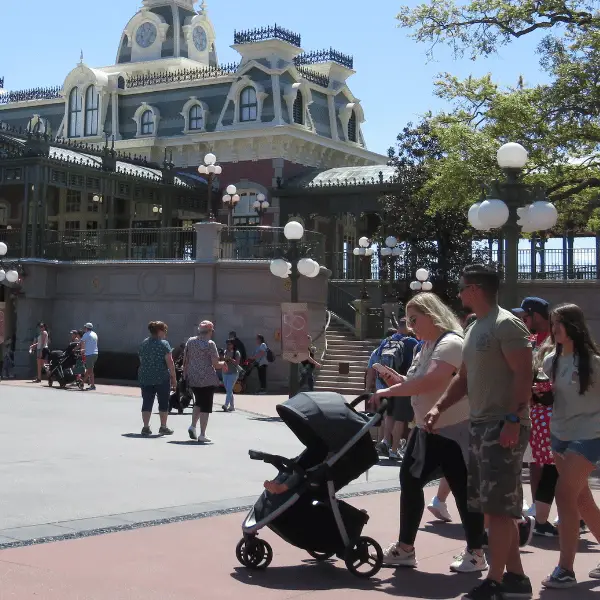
(293, 230)
(473, 217)
(231, 190)
(2, 275)
(12, 276)
(356, 251)
(218, 169)
(512, 156)
(306, 266)
(289, 269)
(397, 251)
(391, 241)
(211, 168)
(415, 285)
(210, 159)
(542, 215)
(261, 197)
(256, 204)
(422, 274)
(316, 269)
(227, 198)
(279, 268)
(202, 170)
(363, 242)
(265, 204)
(235, 198)
(369, 251)
(3, 249)
(492, 214)
(427, 286)
(386, 252)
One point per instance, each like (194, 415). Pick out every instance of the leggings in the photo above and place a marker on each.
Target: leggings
(441, 454)
(547, 485)
(262, 376)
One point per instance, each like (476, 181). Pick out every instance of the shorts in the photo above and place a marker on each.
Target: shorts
(90, 361)
(162, 391)
(400, 409)
(44, 353)
(494, 482)
(203, 398)
(589, 449)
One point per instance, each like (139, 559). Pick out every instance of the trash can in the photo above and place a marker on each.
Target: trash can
(344, 368)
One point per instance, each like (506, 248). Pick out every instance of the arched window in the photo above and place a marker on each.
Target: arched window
(92, 104)
(248, 105)
(121, 83)
(352, 127)
(75, 113)
(196, 118)
(299, 109)
(147, 123)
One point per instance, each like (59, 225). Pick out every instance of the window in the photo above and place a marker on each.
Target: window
(352, 127)
(73, 204)
(92, 206)
(3, 214)
(299, 109)
(92, 104)
(147, 123)
(248, 105)
(75, 113)
(121, 83)
(71, 225)
(91, 225)
(196, 117)
(244, 206)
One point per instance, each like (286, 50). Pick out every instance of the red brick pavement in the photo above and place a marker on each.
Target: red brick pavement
(197, 559)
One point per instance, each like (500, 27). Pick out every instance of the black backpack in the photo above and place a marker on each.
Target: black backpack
(391, 354)
(270, 355)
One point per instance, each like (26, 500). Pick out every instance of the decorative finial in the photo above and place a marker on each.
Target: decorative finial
(81, 58)
(203, 7)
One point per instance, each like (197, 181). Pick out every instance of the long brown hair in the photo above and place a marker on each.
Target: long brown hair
(584, 347)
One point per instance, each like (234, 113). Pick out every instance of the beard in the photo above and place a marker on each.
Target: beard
(467, 308)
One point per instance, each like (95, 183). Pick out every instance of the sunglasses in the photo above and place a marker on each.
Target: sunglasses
(463, 286)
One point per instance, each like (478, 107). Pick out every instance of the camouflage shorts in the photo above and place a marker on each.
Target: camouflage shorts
(494, 484)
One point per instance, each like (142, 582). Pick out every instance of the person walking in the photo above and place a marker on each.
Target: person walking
(200, 364)
(307, 368)
(156, 376)
(40, 347)
(496, 376)
(232, 357)
(575, 433)
(239, 345)
(446, 449)
(89, 348)
(262, 362)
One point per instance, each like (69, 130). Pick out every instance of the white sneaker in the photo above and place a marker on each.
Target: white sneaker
(469, 562)
(394, 455)
(395, 556)
(202, 439)
(439, 510)
(192, 432)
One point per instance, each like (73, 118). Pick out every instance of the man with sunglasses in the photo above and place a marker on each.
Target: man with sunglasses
(496, 376)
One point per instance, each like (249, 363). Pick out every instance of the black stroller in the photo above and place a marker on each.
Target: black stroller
(60, 367)
(181, 398)
(338, 450)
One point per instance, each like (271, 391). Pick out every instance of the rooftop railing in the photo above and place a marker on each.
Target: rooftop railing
(321, 56)
(267, 33)
(179, 76)
(40, 93)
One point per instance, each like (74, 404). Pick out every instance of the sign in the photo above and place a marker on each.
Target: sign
(294, 331)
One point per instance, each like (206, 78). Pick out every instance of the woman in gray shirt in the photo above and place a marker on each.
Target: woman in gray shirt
(574, 369)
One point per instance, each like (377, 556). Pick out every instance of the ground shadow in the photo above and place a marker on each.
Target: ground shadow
(188, 443)
(389, 462)
(451, 531)
(139, 436)
(587, 545)
(266, 419)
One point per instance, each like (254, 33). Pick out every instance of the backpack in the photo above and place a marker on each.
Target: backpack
(391, 354)
(270, 355)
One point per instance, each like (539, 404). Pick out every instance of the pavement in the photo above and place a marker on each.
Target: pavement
(91, 511)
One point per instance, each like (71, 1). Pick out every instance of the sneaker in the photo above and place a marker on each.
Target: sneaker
(395, 556)
(394, 455)
(595, 573)
(439, 510)
(469, 562)
(91, 388)
(383, 448)
(516, 586)
(530, 512)
(192, 433)
(560, 578)
(202, 439)
(488, 589)
(146, 431)
(262, 393)
(546, 529)
(164, 430)
(225, 408)
(232, 409)
(526, 531)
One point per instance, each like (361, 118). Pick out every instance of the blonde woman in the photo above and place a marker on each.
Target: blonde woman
(428, 453)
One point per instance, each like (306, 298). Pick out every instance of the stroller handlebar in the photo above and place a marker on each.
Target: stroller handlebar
(363, 397)
(280, 462)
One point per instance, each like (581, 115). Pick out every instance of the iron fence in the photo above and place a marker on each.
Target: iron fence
(267, 33)
(40, 93)
(339, 302)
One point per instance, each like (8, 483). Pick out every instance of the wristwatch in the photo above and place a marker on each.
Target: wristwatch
(512, 418)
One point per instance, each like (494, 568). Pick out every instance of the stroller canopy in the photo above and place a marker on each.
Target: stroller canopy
(321, 419)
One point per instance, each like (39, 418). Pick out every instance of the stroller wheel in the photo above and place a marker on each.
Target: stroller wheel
(321, 556)
(180, 411)
(50, 382)
(364, 558)
(254, 553)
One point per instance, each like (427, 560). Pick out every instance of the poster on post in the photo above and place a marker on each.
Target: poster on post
(294, 331)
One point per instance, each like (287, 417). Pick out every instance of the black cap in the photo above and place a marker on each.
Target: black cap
(532, 305)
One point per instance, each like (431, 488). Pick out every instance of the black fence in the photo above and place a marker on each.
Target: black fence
(321, 56)
(267, 33)
(40, 93)
(181, 75)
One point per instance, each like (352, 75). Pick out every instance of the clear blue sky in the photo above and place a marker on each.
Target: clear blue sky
(394, 80)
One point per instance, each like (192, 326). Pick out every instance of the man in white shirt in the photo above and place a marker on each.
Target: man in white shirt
(89, 348)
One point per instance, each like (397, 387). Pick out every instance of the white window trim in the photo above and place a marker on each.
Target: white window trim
(344, 114)
(290, 92)
(185, 113)
(234, 96)
(137, 118)
(143, 16)
(44, 126)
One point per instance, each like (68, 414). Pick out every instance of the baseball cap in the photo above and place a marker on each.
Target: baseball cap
(532, 305)
(89, 326)
(74, 332)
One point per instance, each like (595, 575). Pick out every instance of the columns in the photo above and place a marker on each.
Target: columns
(208, 241)
(361, 322)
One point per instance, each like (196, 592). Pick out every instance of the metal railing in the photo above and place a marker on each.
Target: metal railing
(321, 56)
(267, 33)
(339, 302)
(40, 93)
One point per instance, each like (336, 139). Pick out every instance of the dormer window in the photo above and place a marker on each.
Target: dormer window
(147, 123)
(92, 106)
(352, 128)
(196, 118)
(299, 109)
(248, 105)
(75, 113)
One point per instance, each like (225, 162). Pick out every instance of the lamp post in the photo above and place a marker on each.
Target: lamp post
(157, 210)
(364, 252)
(260, 205)
(230, 200)
(422, 284)
(292, 266)
(210, 168)
(9, 270)
(390, 252)
(510, 205)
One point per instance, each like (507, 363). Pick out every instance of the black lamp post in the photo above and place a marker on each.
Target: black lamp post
(390, 252)
(230, 200)
(365, 254)
(261, 206)
(210, 168)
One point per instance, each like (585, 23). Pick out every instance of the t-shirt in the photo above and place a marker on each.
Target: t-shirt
(574, 417)
(91, 342)
(489, 376)
(262, 361)
(200, 355)
(153, 368)
(449, 350)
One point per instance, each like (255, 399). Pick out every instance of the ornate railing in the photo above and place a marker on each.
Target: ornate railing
(46, 93)
(267, 33)
(179, 76)
(339, 302)
(321, 56)
(313, 76)
(1, 83)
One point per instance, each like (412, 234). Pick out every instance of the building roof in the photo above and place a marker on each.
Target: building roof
(345, 176)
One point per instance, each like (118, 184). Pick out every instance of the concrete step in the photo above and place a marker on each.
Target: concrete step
(349, 391)
(353, 361)
(336, 379)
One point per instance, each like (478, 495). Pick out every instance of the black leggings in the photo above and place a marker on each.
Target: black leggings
(547, 485)
(445, 455)
(262, 376)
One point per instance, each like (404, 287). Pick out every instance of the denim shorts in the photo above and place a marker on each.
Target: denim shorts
(162, 391)
(589, 449)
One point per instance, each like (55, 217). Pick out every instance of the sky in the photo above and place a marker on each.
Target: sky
(394, 78)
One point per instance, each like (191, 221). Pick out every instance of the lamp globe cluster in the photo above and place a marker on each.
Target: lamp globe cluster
(363, 249)
(231, 196)
(308, 267)
(422, 284)
(391, 247)
(11, 275)
(210, 167)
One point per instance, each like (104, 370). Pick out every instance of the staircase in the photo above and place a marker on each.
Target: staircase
(342, 346)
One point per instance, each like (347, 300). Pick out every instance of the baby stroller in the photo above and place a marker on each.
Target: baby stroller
(308, 515)
(60, 368)
(242, 381)
(181, 398)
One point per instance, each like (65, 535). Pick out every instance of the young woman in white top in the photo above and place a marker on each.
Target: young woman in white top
(427, 454)
(574, 369)
(41, 349)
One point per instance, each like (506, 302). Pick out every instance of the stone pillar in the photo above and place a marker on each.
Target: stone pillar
(208, 241)
(361, 318)
(390, 309)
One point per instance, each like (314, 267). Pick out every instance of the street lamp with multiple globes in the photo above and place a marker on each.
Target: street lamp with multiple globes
(210, 168)
(422, 284)
(390, 252)
(511, 204)
(261, 206)
(365, 254)
(11, 275)
(293, 266)
(230, 200)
